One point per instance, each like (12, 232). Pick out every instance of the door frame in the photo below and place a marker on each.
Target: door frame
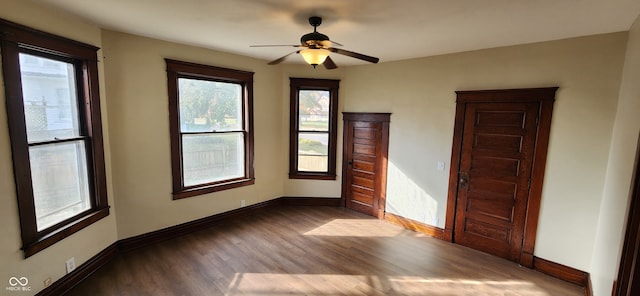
(546, 98)
(628, 265)
(380, 191)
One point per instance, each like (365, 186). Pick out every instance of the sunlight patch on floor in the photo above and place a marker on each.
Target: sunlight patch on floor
(334, 284)
(355, 227)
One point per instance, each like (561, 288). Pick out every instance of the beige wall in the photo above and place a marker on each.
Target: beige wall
(84, 244)
(617, 189)
(587, 175)
(420, 95)
(137, 87)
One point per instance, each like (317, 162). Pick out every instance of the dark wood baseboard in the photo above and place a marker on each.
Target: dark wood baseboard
(415, 226)
(311, 201)
(67, 282)
(135, 242)
(562, 272)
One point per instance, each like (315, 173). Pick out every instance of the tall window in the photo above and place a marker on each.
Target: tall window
(211, 119)
(313, 128)
(53, 107)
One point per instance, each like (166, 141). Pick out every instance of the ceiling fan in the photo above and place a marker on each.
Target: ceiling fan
(316, 48)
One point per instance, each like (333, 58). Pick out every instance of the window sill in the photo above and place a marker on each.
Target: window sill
(189, 192)
(64, 232)
(312, 176)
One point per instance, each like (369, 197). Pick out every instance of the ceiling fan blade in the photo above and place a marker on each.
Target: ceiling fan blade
(336, 43)
(329, 64)
(276, 45)
(355, 55)
(280, 60)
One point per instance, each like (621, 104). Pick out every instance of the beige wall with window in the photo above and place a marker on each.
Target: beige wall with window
(136, 80)
(49, 263)
(420, 95)
(301, 187)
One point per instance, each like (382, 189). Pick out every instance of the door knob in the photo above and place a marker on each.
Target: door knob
(463, 179)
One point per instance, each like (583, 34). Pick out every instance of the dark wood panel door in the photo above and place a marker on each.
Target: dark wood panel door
(628, 282)
(495, 167)
(365, 162)
(497, 170)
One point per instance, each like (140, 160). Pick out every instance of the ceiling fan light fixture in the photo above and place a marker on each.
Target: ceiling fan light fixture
(315, 56)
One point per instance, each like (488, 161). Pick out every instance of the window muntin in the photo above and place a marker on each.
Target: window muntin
(313, 128)
(53, 110)
(212, 138)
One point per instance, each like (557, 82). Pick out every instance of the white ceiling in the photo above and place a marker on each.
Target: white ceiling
(390, 30)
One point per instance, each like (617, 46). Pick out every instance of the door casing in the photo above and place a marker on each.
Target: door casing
(546, 98)
(629, 270)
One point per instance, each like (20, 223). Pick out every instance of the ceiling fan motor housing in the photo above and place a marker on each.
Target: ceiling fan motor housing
(314, 40)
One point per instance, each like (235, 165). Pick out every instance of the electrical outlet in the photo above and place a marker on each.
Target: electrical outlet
(243, 203)
(47, 282)
(441, 166)
(71, 264)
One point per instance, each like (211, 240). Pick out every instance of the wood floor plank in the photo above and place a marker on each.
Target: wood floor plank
(297, 250)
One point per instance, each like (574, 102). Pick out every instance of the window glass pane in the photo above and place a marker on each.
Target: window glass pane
(313, 110)
(50, 98)
(207, 106)
(209, 158)
(60, 182)
(313, 152)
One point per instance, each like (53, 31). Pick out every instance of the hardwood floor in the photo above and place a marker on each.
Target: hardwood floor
(296, 250)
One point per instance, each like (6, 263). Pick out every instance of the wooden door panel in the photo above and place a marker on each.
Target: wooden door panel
(498, 141)
(364, 168)
(364, 149)
(362, 198)
(363, 165)
(499, 166)
(362, 182)
(498, 209)
(362, 190)
(503, 118)
(497, 169)
(362, 172)
(363, 157)
(493, 142)
(364, 130)
(490, 231)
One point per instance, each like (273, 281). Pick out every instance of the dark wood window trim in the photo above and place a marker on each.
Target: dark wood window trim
(297, 84)
(180, 69)
(14, 39)
(546, 98)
